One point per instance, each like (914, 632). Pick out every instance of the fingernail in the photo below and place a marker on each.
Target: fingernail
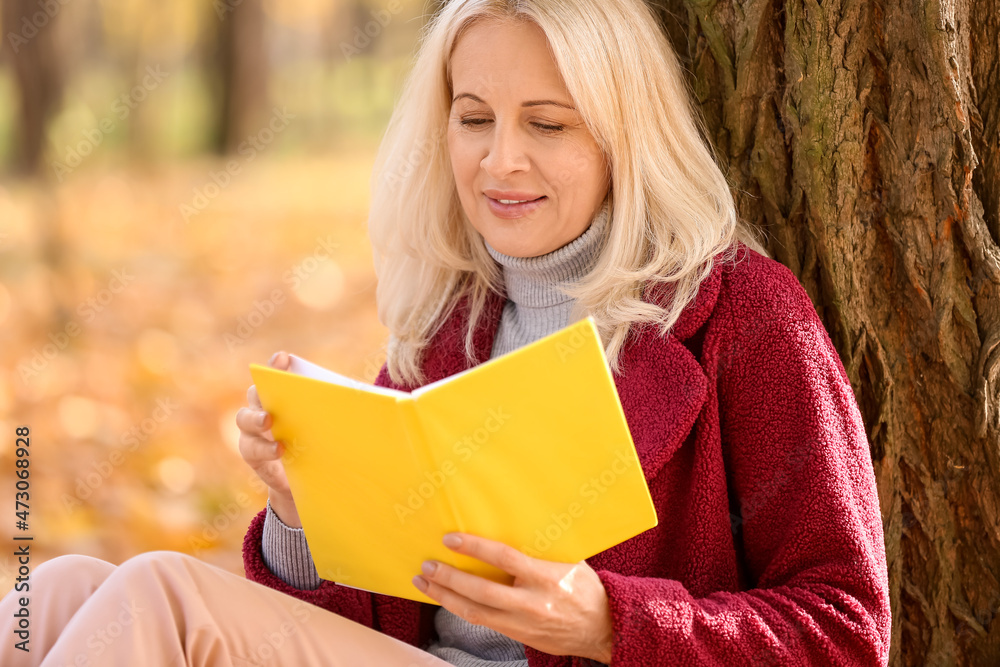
(420, 583)
(261, 417)
(429, 568)
(273, 357)
(452, 541)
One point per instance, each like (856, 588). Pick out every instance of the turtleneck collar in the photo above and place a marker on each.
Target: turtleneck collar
(533, 281)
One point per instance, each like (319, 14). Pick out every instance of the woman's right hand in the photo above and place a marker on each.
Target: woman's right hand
(259, 449)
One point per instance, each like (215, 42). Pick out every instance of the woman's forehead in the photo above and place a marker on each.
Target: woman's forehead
(505, 61)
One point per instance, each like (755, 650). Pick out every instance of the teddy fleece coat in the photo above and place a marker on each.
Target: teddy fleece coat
(769, 548)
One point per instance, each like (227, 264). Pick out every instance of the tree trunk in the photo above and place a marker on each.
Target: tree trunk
(29, 45)
(863, 136)
(240, 71)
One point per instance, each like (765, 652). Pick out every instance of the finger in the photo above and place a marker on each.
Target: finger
(472, 587)
(254, 422)
(280, 360)
(256, 450)
(497, 554)
(253, 399)
(471, 610)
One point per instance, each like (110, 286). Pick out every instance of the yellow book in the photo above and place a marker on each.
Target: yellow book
(530, 448)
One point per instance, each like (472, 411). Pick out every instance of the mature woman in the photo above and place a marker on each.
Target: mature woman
(575, 181)
(543, 163)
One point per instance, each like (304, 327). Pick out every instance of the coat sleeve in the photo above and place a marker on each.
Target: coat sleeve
(351, 603)
(799, 467)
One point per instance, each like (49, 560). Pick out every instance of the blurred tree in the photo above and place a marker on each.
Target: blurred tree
(364, 22)
(239, 71)
(29, 45)
(865, 139)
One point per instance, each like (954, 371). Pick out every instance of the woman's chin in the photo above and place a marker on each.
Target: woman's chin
(508, 237)
(516, 250)
(513, 244)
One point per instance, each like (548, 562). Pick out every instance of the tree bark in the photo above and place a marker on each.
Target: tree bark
(863, 136)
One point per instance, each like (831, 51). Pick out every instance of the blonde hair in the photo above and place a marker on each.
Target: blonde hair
(671, 208)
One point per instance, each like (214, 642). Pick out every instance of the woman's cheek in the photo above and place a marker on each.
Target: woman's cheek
(463, 161)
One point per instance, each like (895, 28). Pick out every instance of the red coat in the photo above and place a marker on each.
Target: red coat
(769, 548)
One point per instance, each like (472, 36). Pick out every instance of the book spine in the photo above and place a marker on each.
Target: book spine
(446, 508)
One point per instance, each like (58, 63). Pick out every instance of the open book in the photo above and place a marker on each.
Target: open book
(530, 448)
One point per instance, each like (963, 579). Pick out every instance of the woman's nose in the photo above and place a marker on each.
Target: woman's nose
(506, 152)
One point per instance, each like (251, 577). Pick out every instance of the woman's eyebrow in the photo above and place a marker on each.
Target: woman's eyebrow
(529, 103)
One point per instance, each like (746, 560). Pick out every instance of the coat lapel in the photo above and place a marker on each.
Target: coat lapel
(661, 385)
(662, 389)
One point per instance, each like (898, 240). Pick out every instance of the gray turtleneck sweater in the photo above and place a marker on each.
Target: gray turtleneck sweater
(535, 307)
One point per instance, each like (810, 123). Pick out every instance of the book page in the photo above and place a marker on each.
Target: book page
(300, 366)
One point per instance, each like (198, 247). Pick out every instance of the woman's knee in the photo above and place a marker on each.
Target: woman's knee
(152, 567)
(76, 568)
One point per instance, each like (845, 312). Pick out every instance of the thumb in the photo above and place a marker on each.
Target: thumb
(280, 360)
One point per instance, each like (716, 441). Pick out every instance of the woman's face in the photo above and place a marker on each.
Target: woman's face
(514, 134)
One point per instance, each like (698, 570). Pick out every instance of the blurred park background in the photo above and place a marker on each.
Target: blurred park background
(183, 191)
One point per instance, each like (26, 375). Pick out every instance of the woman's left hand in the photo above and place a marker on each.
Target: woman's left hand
(556, 608)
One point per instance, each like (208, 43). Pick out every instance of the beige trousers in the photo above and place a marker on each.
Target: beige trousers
(169, 608)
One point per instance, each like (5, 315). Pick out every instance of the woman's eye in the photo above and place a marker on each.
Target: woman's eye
(548, 128)
(541, 126)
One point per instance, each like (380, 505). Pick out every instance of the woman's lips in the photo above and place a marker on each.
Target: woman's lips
(511, 211)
